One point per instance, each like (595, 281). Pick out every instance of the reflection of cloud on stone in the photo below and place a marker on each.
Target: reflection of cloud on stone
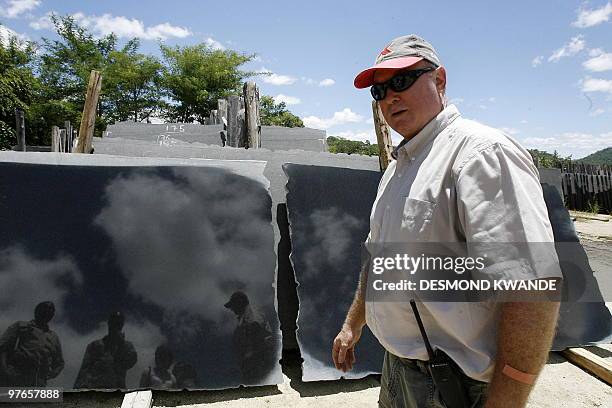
(27, 281)
(331, 253)
(333, 234)
(326, 371)
(179, 264)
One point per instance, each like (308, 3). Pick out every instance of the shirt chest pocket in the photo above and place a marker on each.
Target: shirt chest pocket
(416, 218)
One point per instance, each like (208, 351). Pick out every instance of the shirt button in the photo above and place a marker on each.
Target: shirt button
(412, 159)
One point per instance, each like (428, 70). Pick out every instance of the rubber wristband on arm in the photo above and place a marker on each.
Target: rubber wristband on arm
(519, 376)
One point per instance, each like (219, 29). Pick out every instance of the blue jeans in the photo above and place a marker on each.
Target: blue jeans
(407, 384)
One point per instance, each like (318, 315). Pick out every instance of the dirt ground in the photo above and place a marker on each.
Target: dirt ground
(561, 384)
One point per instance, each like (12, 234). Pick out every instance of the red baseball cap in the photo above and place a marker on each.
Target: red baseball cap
(399, 54)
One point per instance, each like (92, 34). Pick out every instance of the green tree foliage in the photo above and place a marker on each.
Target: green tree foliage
(548, 160)
(342, 145)
(65, 67)
(132, 84)
(197, 76)
(17, 85)
(273, 114)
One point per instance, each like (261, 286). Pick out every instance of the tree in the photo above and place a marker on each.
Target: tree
(342, 145)
(64, 71)
(548, 160)
(195, 77)
(132, 84)
(17, 86)
(273, 114)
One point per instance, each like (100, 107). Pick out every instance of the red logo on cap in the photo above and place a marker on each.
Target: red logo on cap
(384, 52)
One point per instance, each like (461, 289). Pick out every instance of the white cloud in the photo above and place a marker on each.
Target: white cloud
(590, 18)
(6, 34)
(362, 136)
(276, 79)
(456, 101)
(339, 118)
(595, 52)
(524, 121)
(483, 107)
(289, 100)
(42, 23)
(603, 62)
(537, 61)
(124, 27)
(510, 131)
(597, 85)
(14, 8)
(214, 44)
(576, 144)
(492, 99)
(573, 47)
(597, 112)
(370, 121)
(327, 82)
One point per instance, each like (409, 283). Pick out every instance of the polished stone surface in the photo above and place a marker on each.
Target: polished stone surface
(150, 276)
(329, 209)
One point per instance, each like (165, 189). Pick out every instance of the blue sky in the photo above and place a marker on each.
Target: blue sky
(542, 70)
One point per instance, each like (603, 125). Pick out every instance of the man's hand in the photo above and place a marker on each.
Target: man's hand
(343, 350)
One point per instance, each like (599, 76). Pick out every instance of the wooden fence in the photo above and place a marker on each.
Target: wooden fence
(587, 187)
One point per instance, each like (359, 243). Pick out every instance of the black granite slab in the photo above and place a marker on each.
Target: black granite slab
(148, 276)
(329, 209)
(329, 212)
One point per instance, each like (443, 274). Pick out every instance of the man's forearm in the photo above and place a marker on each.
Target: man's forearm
(524, 338)
(356, 314)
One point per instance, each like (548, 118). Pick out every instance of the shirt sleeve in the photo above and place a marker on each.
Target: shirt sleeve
(501, 209)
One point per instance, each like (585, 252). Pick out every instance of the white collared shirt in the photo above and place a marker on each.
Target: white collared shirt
(455, 181)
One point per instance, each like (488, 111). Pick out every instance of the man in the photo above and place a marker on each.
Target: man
(253, 340)
(30, 352)
(107, 360)
(453, 180)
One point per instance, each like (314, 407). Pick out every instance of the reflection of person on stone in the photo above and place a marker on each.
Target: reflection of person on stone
(253, 340)
(186, 375)
(30, 352)
(107, 360)
(160, 377)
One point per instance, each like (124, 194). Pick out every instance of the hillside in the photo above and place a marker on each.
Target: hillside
(603, 156)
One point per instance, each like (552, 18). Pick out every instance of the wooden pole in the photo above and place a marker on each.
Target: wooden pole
(232, 120)
(20, 130)
(251, 115)
(67, 136)
(590, 362)
(383, 136)
(221, 110)
(213, 118)
(62, 140)
(55, 139)
(88, 119)
(241, 129)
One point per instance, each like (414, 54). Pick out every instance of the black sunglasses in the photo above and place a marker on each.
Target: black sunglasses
(398, 83)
